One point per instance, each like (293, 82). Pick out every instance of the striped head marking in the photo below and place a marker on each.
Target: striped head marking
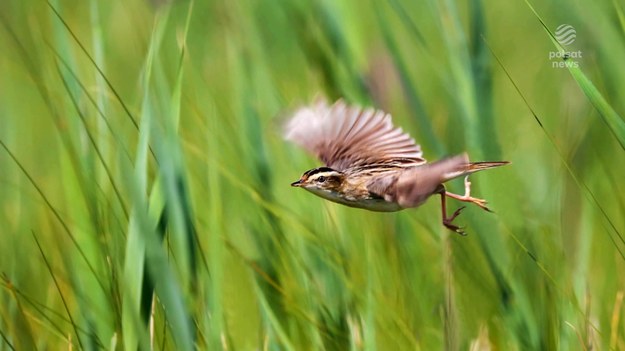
(324, 178)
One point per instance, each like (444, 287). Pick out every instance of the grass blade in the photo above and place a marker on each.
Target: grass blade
(615, 123)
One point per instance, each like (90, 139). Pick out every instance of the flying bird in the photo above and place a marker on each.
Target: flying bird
(373, 165)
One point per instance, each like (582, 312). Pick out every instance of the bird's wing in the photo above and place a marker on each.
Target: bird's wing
(344, 136)
(413, 186)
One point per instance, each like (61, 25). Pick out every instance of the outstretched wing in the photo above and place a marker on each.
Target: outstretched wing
(345, 136)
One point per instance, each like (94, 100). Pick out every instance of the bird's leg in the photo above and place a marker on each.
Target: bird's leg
(447, 220)
(467, 196)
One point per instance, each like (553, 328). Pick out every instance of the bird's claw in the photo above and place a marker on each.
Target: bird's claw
(447, 222)
(480, 202)
(464, 198)
(454, 228)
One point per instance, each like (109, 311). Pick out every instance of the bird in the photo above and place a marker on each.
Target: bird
(371, 164)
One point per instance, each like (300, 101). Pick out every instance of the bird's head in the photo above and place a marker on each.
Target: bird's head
(320, 179)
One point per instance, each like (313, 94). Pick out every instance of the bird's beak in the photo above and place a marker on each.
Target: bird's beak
(297, 183)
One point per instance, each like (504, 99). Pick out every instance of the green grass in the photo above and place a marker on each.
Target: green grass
(144, 183)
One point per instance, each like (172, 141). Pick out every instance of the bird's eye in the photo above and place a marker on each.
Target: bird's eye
(321, 179)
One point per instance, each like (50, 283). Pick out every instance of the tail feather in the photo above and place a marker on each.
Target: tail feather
(478, 166)
(415, 186)
(472, 167)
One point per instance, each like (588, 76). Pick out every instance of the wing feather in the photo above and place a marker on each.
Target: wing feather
(345, 136)
(412, 187)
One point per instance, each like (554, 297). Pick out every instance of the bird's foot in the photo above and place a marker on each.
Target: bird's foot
(467, 196)
(447, 222)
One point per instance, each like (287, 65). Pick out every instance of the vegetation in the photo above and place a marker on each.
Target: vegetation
(144, 183)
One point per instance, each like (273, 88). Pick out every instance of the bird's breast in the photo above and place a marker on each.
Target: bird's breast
(366, 202)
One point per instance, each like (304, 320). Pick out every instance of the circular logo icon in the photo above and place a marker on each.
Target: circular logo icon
(565, 34)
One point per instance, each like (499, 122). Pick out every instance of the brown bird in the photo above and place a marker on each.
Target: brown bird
(373, 165)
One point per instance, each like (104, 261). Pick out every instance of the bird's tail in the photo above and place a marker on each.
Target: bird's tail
(462, 166)
(478, 166)
(414, 186)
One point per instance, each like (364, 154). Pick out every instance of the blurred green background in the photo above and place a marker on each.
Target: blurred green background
(144, 182)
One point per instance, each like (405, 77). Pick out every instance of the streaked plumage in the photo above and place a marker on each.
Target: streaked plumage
(371, 164)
